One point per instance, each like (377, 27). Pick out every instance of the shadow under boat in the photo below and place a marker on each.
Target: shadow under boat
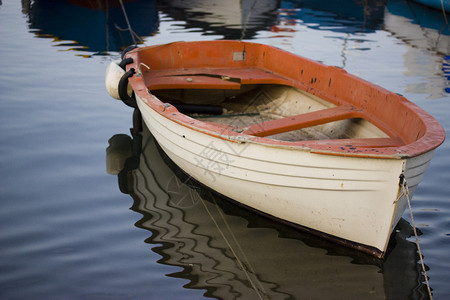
(93, 26)
(229, 251)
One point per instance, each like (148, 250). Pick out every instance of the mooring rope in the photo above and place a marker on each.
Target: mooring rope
(132, 33)
(443, 10)
(238, 260)
(247, 18)
(239, 246)
(405, 191)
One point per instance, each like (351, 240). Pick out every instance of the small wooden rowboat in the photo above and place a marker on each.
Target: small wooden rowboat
(295, 140)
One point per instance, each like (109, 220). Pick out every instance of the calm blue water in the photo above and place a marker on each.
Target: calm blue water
(67, 230)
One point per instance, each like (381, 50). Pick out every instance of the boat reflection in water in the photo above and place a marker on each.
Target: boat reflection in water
(233, 19)
(94, 26)
(423, 30)
(347, 16)
(231, 252)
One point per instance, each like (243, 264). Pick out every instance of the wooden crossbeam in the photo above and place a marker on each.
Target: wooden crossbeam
(209, 78)
(300, 121)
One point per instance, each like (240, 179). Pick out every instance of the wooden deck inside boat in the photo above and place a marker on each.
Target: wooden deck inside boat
(253, 109)
(283, 113)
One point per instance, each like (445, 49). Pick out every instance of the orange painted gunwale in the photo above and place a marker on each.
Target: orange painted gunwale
(412, 131)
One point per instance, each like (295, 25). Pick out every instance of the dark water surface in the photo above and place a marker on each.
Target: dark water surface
(66, 228)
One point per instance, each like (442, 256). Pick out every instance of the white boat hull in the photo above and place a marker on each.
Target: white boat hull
(352, 200)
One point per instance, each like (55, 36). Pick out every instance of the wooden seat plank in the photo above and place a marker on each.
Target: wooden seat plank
(190, 82)
(345, 111)
(208, 78)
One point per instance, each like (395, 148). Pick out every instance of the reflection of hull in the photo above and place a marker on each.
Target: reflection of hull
(94, 26)
(231, 18)
(357, 16)
(231, 253)
(231, 13)
(421, 30)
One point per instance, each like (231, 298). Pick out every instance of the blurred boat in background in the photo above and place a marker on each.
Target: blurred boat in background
(422, 30)
(93, 26)
(232, 19)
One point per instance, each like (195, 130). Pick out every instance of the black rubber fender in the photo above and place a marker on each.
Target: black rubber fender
(127, 49)
(123, 89)
(125, 62)
(137, 121)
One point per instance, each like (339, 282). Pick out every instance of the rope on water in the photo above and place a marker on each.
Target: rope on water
(405, 191)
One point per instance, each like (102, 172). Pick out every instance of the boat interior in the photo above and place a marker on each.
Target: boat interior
(281, 99)
(279, 112)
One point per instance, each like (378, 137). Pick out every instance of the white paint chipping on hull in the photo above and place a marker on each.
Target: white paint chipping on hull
(347, 197)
